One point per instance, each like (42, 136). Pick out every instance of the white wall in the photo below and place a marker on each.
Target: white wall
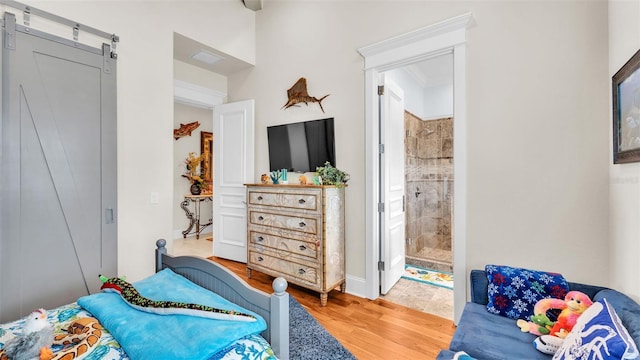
(538, 144)
(438, 102)
(145, 102)
(414, 99)
(427, 103)
(537, 100)
(624, 188)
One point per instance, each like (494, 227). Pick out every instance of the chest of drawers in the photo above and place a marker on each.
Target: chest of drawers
(297, 232)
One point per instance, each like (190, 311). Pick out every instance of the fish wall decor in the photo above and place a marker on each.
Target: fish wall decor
(298, 94)
(185, 129)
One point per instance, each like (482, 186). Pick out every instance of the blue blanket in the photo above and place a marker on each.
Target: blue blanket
(149, 336)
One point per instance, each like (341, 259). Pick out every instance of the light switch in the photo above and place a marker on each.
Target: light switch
(154, 197)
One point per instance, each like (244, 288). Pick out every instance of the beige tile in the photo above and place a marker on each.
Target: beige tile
(422, 297)
(193, 247)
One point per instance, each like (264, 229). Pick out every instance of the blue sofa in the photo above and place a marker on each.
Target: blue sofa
(486, 336)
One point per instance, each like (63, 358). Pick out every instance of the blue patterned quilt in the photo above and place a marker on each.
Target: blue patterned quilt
(252, 347)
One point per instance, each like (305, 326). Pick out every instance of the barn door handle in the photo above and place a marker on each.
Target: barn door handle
(108, 216)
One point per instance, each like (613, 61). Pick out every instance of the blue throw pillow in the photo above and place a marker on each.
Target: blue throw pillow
(513, 292)
(598, 334)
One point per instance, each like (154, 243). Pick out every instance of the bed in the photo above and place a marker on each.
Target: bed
(198, 273)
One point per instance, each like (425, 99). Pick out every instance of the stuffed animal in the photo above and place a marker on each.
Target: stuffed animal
(131, 296)
(573, 305)
(34, 342)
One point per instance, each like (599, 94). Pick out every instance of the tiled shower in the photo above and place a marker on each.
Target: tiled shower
(429, 192)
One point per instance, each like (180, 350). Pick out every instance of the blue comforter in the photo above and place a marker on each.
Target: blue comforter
(150, 336)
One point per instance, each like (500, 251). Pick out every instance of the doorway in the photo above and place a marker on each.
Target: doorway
(426, 284)
(448, 36)
(192, 231)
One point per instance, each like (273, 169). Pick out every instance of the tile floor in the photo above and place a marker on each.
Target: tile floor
(192, 246)
(423, 297)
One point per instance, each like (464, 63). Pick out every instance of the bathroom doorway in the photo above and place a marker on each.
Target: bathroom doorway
(429, 178)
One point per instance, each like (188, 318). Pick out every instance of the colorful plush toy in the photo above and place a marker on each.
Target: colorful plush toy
(38, 337)
(132, 297)
(35, 340)
(573, 305)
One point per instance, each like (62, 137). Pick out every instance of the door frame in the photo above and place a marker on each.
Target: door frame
(448, 36)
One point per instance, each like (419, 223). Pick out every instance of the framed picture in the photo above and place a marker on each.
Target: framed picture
(206, 148)
(626, 112)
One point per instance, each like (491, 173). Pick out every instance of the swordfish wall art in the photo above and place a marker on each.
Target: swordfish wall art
(298, 94)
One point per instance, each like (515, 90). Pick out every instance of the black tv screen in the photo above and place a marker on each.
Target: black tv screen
(303, 146)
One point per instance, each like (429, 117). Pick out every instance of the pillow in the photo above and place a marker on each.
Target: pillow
(598, 334)
(513, 292)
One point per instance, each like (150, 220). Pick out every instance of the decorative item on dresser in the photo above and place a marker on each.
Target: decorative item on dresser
(297, 232)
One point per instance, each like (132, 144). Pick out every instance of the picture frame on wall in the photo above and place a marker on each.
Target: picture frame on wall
(626, 112)
(206, 148)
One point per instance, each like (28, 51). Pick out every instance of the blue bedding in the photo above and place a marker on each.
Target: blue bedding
(150, 336)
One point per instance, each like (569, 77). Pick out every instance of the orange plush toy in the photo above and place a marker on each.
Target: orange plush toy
(573, 305)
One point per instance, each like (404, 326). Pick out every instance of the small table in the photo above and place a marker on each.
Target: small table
(194, 217)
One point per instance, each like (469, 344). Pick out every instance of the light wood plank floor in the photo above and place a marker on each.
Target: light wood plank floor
(370, 329)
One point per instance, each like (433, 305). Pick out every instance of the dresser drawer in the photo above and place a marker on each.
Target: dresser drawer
(301, 272)
(307, 200)
(305, 224)
(280, 244)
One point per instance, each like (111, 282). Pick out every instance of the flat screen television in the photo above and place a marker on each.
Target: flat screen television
(302, 146)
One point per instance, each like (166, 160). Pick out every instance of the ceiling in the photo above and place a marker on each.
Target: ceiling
(184, 48)
(437, 71)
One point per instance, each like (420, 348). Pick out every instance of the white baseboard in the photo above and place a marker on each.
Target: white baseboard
(356, 286)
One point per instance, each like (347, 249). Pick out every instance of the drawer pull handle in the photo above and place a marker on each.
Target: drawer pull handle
(259, 198)
(302, 248)
(301, 271)
(260, 238)
(260, 258)
(301, 201)
(302, 224)
(260, 218)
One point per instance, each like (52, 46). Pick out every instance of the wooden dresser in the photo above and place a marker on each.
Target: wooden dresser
(297, 232)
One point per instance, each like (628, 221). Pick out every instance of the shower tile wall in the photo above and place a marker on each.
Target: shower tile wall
(429, 191)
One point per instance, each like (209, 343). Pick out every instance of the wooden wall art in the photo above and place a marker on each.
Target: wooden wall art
(185, 129)
(298, 94)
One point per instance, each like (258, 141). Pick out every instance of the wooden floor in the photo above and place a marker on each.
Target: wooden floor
(370, 329)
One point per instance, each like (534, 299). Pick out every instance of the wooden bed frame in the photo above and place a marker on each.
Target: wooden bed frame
(210, 275)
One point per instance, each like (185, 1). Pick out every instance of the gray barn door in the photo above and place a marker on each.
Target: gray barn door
(58, 171)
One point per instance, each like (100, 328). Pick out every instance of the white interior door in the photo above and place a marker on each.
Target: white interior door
(233, 132)
(392, 223)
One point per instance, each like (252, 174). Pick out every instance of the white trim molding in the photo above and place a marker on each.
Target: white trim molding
(448, 36)
(195, 95)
